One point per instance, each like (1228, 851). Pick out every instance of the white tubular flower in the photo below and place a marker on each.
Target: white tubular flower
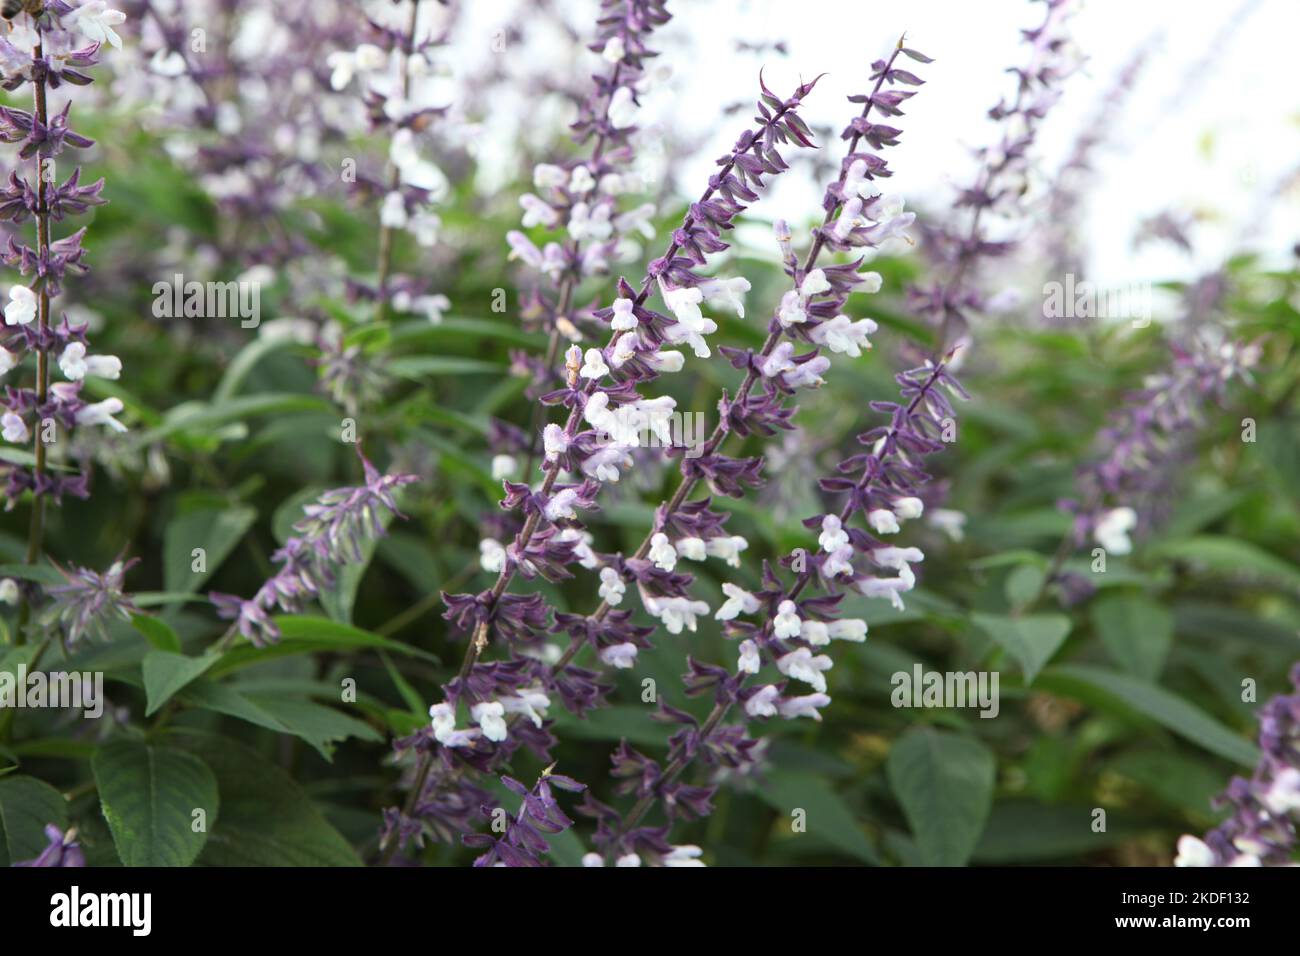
(781, 360)
(594, 366)
(9, 592)
(104, 366)
(94, 20)
(621, 656)
(843, 335)
(848, 629)
(890, 228)
(814, 283)
(676, 612)
(687, 855)
(614, 50)
(490, 716)
(547, 176)
(612, 587)
(521, 247)
(491, 555)
(623, 318)
(444, 719)
(503, 466)
(692, 335)
(801, 664)
(727, 292)
(9, 359)
(341, 63)
(849, 219)
(392, 214)
(586, 222)
(883, 521)
(624, 349)
(833, 536)
(72, 363)
(656, 414)
(1283, 794)
(662, 552)
(1193, 852)
(871, 284)
(739, 601)
(21, 309)
(815, 633)
(561, 505)
(593, 859)
(667, 361)
(622, 110)
(639, 219)
(897, 558)
(763, 703)
(603, 464)
(630, 859)
(597, 413)
(749, 661)
(807, 374)
(555, 441)
(840, 562)
(684, 303)
(532, 703)
(101, 413)
(537, 212)
(727, 548)
(908, 508)
(413, 170)
(581, 181)
(794, 707)
(15, 429)
(786, 623)
(891, 588)
(1111, 531)
(952, 523)
(791, 311)
(690, 548)
(425, 226)
(581, 546)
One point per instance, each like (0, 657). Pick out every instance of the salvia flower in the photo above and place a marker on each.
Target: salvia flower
(90, 601)
(63, 850)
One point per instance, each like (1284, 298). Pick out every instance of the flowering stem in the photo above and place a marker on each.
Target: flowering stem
(386, 233)
(683, 758)
(36, 531)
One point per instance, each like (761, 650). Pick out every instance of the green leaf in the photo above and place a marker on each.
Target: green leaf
(243, 363)
(1031, 640)
(40, 573)
(1165, 708)
(27, 806)
(149, 795)
(424, 366)
(618, 722)
(1024, 584)
(266, 818)
(1230, 556)
(201, 417)
(944, 782)
(318, 725)
(825, 813)
(158, 632)
(306, 634)
(1136, 631)
(215, 530)
(165, 673)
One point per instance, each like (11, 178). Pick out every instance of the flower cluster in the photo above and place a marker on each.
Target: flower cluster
(90, 601)
(49, 51)
(1264, 828)
(999, 186)
(608, 399)
(332, 534)
(1122, 489)
(522, 842)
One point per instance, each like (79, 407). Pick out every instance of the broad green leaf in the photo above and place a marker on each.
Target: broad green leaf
(158, 632)
(1165, 708)
(165, 673)
(40, 573)
(27, 806)
(216, 530)
(944, 783)
(244, 363)
(318, 725)
(1136, 631)
(1230, 556)
(201, 417)
(824, 811)
(149, 796)
(427, 366)
(1021, 831)
(1031, 640)
(266, 818)
(305, 634)
(618, 722)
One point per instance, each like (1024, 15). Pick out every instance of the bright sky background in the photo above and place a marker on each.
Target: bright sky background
(1212, 125)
